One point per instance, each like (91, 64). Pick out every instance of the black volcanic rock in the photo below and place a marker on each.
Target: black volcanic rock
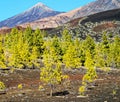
(110, 15)
(38, 11)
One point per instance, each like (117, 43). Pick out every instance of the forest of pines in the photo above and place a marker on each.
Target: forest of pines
(27, 49)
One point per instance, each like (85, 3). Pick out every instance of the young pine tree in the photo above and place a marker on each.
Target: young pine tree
(51, 75)
(90, 75)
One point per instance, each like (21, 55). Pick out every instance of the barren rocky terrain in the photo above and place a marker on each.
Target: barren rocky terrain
(105, 89)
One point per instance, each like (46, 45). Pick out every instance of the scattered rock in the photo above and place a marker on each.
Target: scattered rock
(2, 92)
(81, 96)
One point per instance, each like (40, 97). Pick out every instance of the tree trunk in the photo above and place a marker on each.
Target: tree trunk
(51, 92)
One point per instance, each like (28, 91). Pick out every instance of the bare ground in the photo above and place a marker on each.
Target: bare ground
(105, 89)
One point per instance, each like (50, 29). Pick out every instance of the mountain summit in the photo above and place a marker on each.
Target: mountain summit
(36, 12)
(41, 7)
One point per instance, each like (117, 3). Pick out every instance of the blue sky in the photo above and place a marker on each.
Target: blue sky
(10, 8)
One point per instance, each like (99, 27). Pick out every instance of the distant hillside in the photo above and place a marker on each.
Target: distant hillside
(109, 15)
(93, 25)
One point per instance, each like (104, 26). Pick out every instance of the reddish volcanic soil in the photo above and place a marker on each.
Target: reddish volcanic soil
(106, 87)
(102, 27)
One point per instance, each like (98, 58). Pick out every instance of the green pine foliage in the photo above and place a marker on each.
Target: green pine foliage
(89, 62)
(26, 48)
(22, 49)
(71, 58)
(114, 55)
(99, 57)
(2, 86)
(51, 76)
(66, 40)
(90, 75)
(3, 58)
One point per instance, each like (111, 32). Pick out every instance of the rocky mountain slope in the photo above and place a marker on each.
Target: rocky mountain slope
(38, 11)
(91, 8)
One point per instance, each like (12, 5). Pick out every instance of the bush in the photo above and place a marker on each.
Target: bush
(82, 90)
(20, 86)
(2, 86)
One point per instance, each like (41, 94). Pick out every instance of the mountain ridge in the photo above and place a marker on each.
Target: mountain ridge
(108, 17)
(91, 8)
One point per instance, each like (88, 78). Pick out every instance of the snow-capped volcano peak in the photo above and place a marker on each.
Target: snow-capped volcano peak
(42, 6)
(39, 4)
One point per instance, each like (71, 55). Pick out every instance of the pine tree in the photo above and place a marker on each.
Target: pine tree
(38, 40)
(87, 44)
(2, 55)
(19, 54)
(99, 57)
(33, 59)
(28, 36)
(114, 55)
(52, 46)
(57, 48)
(105, 44)
(66, 40)
(71, 58)
(91, 74)
(89, 77)
(12, 38)
(50, 75)
(89, 62)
